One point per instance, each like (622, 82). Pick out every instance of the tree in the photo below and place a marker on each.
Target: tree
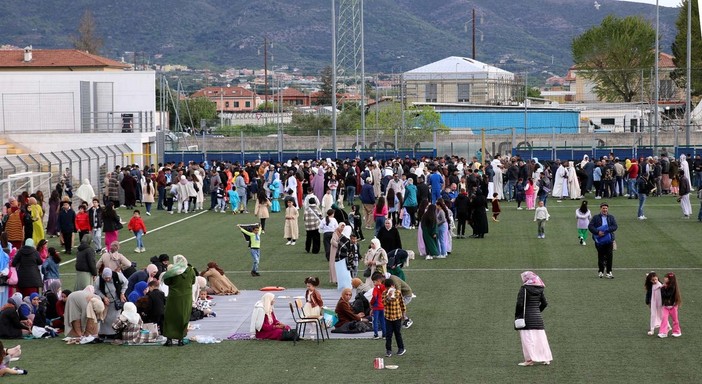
(87, 39)
(325, 98)
(614, 54)
(679, 49)
(195, 109)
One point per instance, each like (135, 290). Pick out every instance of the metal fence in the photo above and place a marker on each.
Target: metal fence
(90, 163)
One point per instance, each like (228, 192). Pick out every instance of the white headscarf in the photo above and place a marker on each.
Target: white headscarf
(262, 308)
(129, 313)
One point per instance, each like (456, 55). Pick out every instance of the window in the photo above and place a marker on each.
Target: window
(430, 92)
(226, 104)
(236, 104)
(463, 93)
(607, 121)
(666, 89)
(248, 104)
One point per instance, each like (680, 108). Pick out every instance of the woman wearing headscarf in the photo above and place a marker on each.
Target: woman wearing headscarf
(218, 282)
(84, 311)
(428, 229)
(530, 303)
(13, 223)
(147, 275)
(376, 258)
(344, 251)
(138, 292)
(130, 326)
(389, 237)
(27, 262)
(114, 260)
(333, 250)
(110, 288)
(263, 321)
(179, 279)
(10, 325)
(86, 271)
(85, 192)
(275, 188)
(129, 185)
(37, 215)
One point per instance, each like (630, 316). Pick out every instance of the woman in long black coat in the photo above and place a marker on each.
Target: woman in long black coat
(479, 220)
(530, 303)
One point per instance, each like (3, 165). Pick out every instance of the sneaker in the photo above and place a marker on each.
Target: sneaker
(677, 334)
(662, 335)
(408, 323)
(650, 333)
(376, 337)
(428, 258)
(20, 371)
(288, 243)
(87, 339)
(402, 351)
(601, 275)
(597, 197)
(581, 240)
(519, 208)
(137, 250)
(388, 353)
(584, 243)
(213, 314)
(148, 213)
(526, 363)
(610, 276)
(142, 250)
(293, 243)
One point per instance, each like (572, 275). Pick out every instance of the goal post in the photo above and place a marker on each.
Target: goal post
(31, 182)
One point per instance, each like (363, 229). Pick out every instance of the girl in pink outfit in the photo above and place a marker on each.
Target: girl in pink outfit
(530, 193)
(671, 300)
(653, 300)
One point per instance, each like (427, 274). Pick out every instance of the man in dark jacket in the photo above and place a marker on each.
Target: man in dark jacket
(67, 224)
(423, 192)
(602, 226)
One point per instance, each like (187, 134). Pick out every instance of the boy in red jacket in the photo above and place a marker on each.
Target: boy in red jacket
(136, 225)
(82, 221)
(377, 305)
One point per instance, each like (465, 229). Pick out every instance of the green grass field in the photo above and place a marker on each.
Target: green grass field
(463, 313)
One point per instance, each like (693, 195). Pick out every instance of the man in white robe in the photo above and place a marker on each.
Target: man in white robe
(560, 183)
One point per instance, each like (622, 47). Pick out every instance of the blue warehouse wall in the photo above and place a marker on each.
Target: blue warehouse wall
(502, 122)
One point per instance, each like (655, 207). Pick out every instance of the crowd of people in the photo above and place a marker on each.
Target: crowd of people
(438, 197)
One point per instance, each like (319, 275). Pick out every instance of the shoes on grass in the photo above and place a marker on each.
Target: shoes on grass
(662, 335)
(526, 363)
(610, 276)
(401, 352)
(582, 241)
(388, 353)
(601, 275)
(376, 337)
(677, 334)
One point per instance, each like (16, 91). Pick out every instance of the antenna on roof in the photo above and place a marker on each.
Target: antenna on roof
(27, 54)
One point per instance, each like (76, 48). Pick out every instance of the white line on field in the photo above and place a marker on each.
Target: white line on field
(153, 230)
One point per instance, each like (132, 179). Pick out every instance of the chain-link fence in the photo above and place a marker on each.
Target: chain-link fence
(90, 163)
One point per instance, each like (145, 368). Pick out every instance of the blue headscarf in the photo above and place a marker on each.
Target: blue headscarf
(138, 291)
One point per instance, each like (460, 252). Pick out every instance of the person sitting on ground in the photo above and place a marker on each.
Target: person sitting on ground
(5, 358)
(218, 282)
(204, 304)
(114, 260)
(138, 292)
(58, 322)
(349, 321)
(10, 325)
(130, 327)
(264, 323)
(152, 305)
(28, 308)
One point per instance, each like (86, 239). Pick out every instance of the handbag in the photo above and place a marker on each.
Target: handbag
(367, 272)
(12, 278)
(521, 323)
(117, 302)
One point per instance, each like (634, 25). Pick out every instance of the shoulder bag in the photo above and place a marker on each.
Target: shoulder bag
(521, 323)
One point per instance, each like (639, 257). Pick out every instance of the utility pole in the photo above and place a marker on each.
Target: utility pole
(688, 85)
(265, 72)
(656, 85)
(473, 33)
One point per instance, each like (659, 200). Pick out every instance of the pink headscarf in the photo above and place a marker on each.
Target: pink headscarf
(531, 278)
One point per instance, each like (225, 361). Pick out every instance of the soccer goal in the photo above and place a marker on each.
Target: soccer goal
(31, 182)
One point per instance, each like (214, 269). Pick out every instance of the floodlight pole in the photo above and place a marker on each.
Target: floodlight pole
(656, 90)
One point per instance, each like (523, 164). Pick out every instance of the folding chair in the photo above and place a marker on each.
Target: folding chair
(301, 323)
(301, 314)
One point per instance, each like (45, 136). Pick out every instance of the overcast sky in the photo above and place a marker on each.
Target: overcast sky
(664, 3)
